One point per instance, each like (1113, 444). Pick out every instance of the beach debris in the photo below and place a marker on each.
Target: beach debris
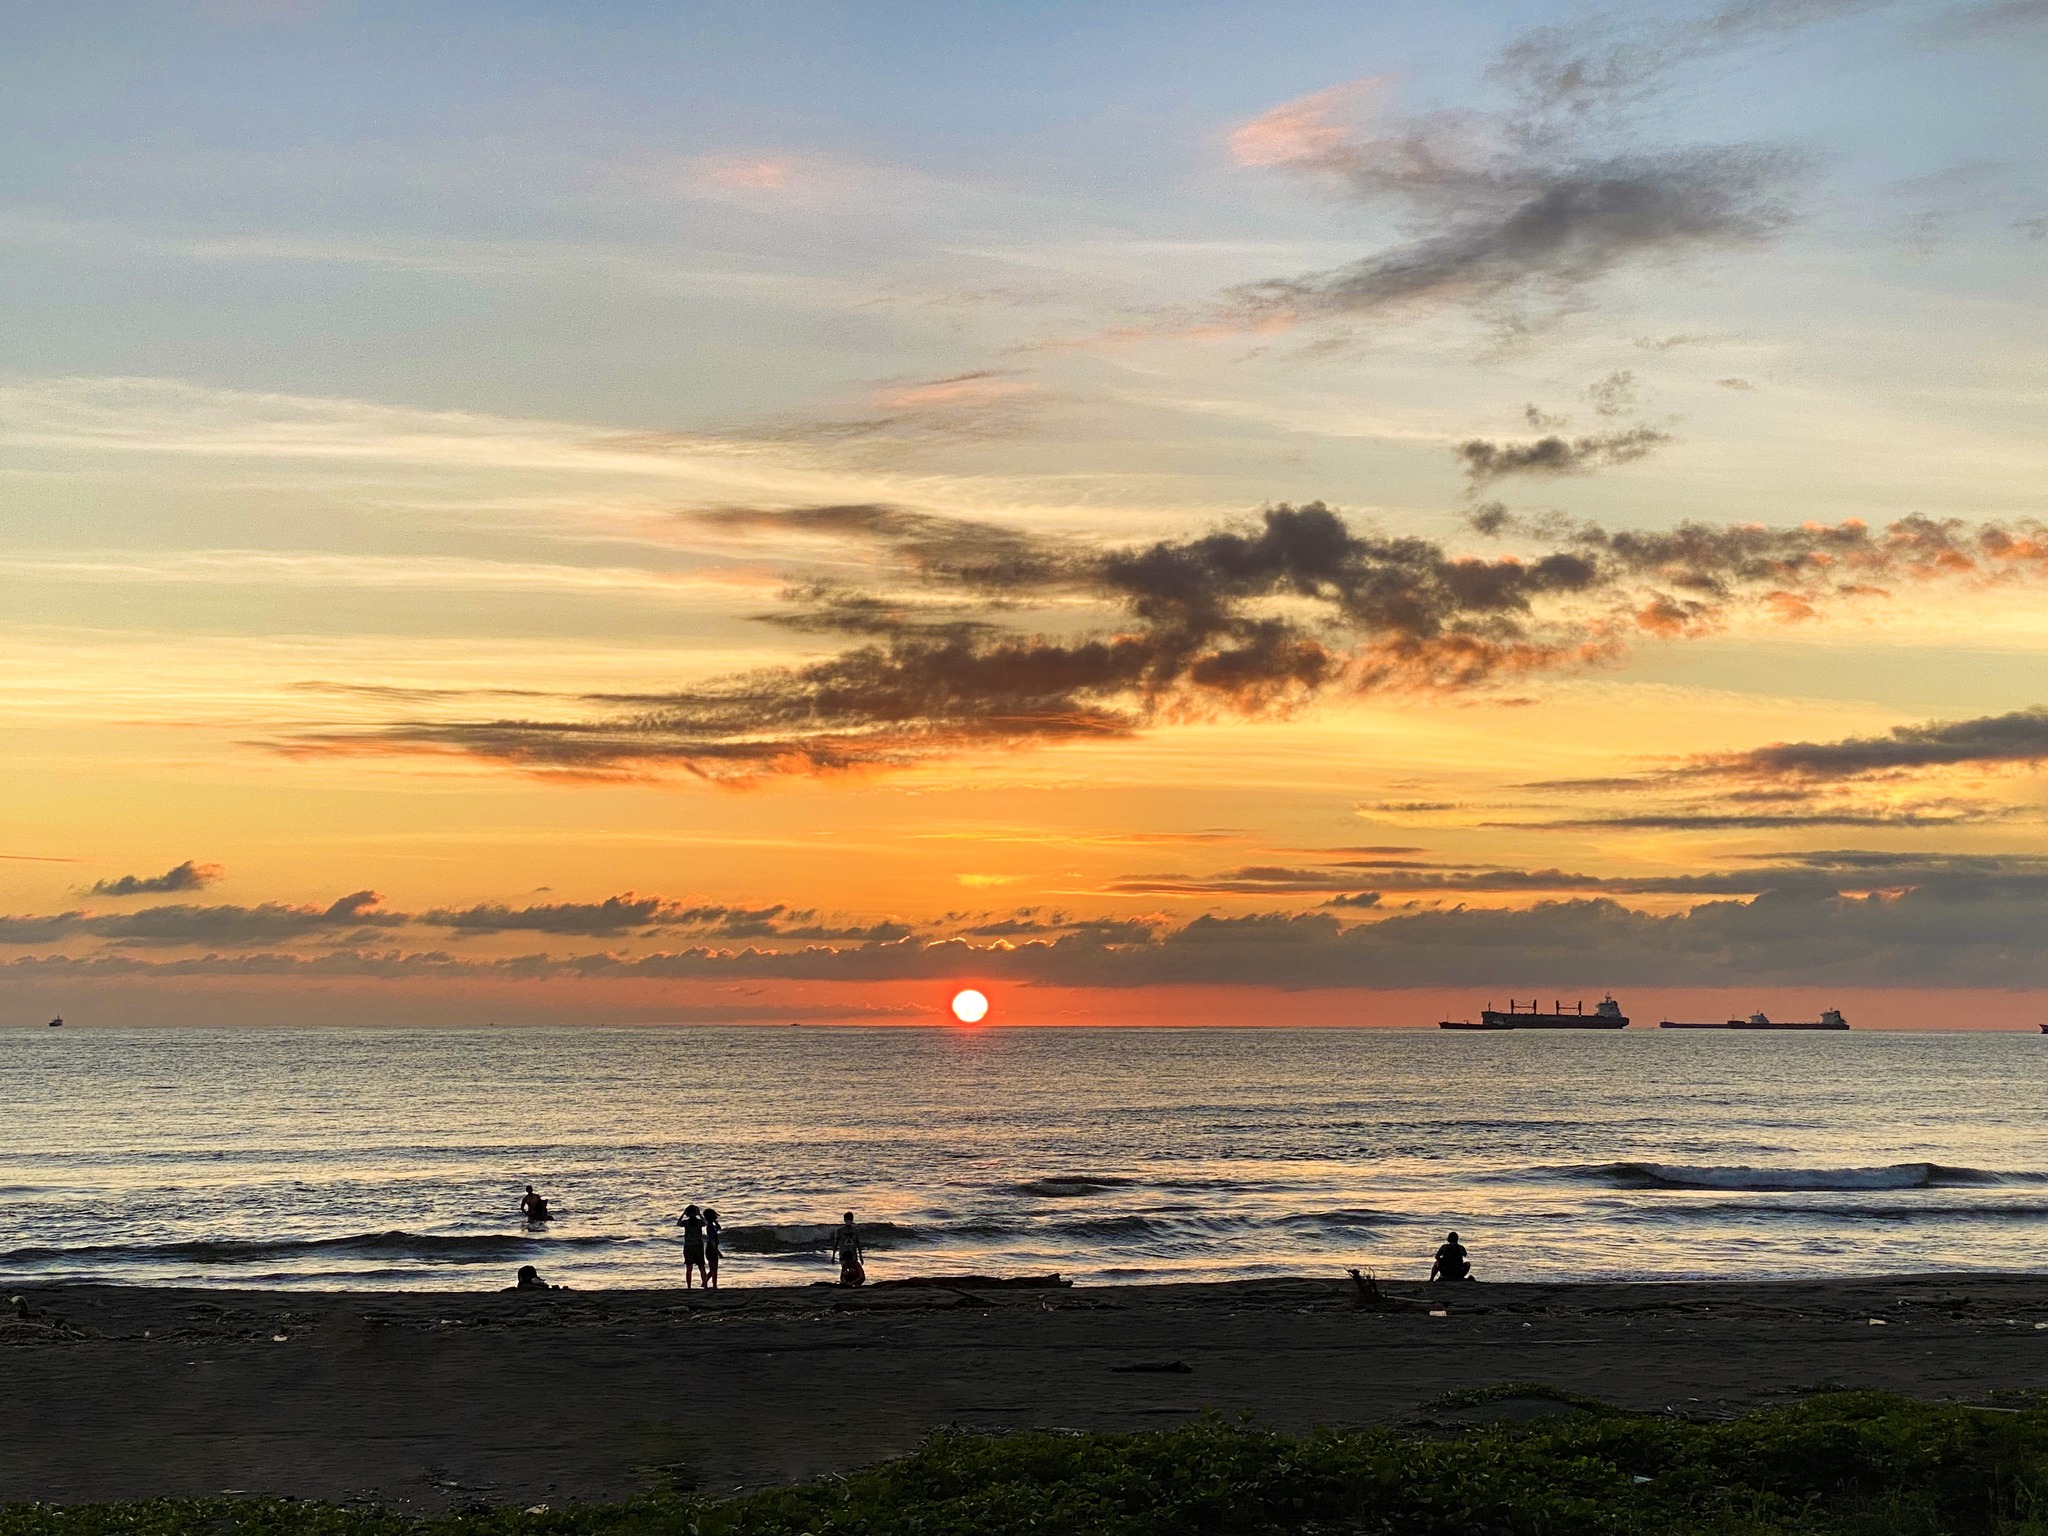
(1154, 1368)
(29, 1326)
(536, 1509)
(1370, 1298)
(280, 1338)
(1878, 1322)
(1439, 1311)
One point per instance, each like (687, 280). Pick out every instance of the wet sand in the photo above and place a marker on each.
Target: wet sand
(432, 1401)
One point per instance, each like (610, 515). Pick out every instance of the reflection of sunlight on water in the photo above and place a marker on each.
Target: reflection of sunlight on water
(395, 1157)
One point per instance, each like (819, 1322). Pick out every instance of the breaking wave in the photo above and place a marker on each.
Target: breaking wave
(385, 1245)
(1837, 1210)
(1766, 1180)
(1067, 1187)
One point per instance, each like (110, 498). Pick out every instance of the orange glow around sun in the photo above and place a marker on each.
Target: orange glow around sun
(970, 1006)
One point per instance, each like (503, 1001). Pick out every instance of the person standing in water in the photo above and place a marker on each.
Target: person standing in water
(533, 1207)
(1451, 1261)
(692, 1223)
(846, 1243)
(713, 1229)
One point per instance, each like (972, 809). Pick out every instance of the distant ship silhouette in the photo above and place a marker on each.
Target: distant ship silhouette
(1606, 1014)
(58, 1023)
(1830, 1018)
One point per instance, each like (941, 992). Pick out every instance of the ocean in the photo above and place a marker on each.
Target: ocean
(388, 1158)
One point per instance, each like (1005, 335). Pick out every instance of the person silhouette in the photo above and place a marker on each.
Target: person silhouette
(692, 1223)
(1451, 1261)
(533, 1207)
(713, 1230)
(847, 1245)
(530, 1280)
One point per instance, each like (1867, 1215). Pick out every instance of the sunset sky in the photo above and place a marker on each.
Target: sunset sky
(1185, 512)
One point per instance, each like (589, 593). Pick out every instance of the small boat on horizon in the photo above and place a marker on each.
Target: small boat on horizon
(1830, 1018)
(58, 1023)
(1606, 1014)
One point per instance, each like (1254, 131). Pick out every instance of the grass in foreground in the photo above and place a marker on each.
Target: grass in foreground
(1858, 1464)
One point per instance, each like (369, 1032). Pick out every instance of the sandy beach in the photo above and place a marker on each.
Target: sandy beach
(439, 1400)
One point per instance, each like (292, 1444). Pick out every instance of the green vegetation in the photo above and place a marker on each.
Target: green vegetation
(1857, 1464)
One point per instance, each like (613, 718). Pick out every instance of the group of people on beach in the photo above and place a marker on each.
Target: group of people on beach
(703, 1233)
(703, 1238)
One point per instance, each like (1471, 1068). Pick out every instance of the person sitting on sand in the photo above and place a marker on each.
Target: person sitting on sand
(713, 1230)
(1451, 1261)
(846, 1243)
(533, 1207)
(692, 1223)
(530, 1280)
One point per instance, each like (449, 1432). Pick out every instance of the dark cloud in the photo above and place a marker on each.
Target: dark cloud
(180, 924)
(1850, 916)
(1359, 883)
(1518, 214)
(188, 876)
(1245, 620)
(1951, 933)
(358, 917)
(1353, 876)
(1249, 620)
(1519, 231)
(2017, 738)
(613, 915)
(1486, 462)
(51, 929)
(1735, 821)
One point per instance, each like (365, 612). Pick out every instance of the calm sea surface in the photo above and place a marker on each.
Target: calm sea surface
(392, 1158)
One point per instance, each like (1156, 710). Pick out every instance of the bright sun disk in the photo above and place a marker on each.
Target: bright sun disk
(970, 1007)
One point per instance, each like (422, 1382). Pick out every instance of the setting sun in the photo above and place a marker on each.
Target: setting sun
(970, 1006)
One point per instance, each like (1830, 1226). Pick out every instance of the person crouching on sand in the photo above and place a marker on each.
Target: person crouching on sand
(1451, 1261)
(713, 1230)
(846, 1243)
(530, 1280)
(692, 1223)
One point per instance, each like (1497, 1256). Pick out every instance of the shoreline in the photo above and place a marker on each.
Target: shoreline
(425, 1400)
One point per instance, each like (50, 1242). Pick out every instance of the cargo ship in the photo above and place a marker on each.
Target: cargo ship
(1606, 1014)
(1830, 1018)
